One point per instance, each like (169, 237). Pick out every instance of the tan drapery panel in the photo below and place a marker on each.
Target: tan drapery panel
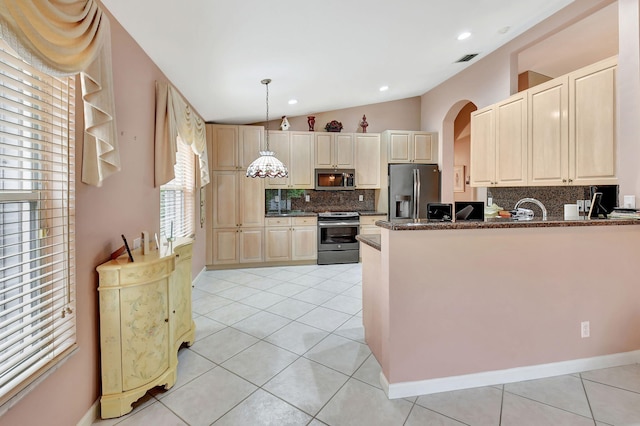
(176, 119)
(66, 37)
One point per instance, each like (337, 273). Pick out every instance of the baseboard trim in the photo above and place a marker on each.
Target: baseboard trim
(92, 415)
(202, 271)
(497, 377)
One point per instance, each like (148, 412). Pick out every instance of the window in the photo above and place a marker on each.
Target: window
(177, 198)
(37, 210)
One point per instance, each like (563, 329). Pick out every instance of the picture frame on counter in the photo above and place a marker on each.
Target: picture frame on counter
(458, 179)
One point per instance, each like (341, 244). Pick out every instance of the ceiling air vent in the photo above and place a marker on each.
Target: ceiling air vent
(467, 58)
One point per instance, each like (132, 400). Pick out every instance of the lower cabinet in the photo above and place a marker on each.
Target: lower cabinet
(145, 316)
(368, 224)
(237, 245)
(291, 238)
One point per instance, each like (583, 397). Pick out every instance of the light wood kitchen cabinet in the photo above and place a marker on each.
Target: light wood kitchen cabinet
(368, 224)
(367, 161)
(233, 147)
(592, 124)
(548, 133)
(237, 218)
(296, 151)
(499, 147)
(145, 316)
(411, 147)
(334, 150)
(291, 239)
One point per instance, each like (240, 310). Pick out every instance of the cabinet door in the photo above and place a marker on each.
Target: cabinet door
(224, 146)
(279, 143)
(301, 170)
(277, 244)
(145, 333)
(344, 150)
(251, 245)
(225, 246)
(324, 150)
(225, 199)
(423, 144)
(483, 156)
(399, 149)
(548, 144)
(180, 296)
(369, 230)
(592, 124)
(251, 197)
(250, 145)
(304, 243)
(511, 141)
(367, 161)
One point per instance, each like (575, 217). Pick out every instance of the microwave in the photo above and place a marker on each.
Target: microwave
(335, 179)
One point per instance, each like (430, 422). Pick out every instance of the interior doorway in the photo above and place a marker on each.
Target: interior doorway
(462, 155)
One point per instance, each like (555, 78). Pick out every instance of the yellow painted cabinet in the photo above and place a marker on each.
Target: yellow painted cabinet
(296, 151)
(145, 315)
(367, 161)
(411, 147)
(499, 144)
(334, 150)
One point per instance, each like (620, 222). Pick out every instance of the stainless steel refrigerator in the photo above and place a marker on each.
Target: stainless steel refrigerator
(411, 188)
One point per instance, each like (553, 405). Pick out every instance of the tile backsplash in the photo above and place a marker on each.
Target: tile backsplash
(283, 200)
(553, 197)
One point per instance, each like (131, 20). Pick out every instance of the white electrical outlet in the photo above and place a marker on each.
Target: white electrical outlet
(584, 329)
(580, 205)
(307, 198)
(489, 201)
(360, 197)
(137, 243)
(587, 205)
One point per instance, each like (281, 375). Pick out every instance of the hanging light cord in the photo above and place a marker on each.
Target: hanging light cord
(266, 82)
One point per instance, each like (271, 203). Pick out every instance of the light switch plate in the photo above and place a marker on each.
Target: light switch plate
(307, 198)
(360, 197)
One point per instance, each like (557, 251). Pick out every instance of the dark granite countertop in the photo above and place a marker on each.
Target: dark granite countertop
(372, 240)
(291, 213)
(369, 213)
(493, 223)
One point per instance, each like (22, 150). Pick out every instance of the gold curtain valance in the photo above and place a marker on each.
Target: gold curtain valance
(176, 119)
(66, 37)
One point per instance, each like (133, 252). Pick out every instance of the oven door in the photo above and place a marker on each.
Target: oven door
(337, 236)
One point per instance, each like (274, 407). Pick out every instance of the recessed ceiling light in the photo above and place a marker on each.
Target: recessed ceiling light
(465, 35)
(293, 101)
(384, 88)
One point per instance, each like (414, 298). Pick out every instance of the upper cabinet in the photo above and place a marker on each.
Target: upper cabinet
(334, 150)
(561, 132)
(411, 147)
(367, 160)
(233, 147)
(499, 143)
(296, 151)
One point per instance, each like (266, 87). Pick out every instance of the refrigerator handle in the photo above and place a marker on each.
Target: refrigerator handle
(416, 193)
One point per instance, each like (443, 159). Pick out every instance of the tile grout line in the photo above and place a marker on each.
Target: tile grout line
(586, 394)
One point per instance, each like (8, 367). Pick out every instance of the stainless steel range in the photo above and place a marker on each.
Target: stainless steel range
(337, 237)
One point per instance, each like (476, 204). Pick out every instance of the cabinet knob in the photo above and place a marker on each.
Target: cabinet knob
(166, 320)
(174, 311)
(177, 255)
(570, 180)
(564, 181)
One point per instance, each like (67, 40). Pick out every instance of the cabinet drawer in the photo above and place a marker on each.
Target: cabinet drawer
(277, 221)
(371, 220)
(302, 221)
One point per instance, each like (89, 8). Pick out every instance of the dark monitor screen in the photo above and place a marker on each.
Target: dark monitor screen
(469, 210)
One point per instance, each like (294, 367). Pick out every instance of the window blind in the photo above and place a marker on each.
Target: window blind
(37, 213)
(177, 197)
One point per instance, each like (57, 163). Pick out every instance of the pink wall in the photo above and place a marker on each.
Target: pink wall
(127, 203)
(494, 78)
(403, 114)
(518, 301)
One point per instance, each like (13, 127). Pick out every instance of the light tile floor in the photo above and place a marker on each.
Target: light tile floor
(285, 346)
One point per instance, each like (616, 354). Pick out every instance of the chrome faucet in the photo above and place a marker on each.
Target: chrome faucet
(533, 201)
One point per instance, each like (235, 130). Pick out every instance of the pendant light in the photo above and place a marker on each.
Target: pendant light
(267, 165)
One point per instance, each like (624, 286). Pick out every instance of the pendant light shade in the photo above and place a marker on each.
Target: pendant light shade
(267, 165)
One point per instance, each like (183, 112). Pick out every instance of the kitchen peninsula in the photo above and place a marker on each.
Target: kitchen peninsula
(457, 305)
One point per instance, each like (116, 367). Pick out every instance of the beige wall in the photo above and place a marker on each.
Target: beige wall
(494, 78)
(127, 203)
(403, 114)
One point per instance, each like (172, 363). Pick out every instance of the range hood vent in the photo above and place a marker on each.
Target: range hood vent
(467, 58)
